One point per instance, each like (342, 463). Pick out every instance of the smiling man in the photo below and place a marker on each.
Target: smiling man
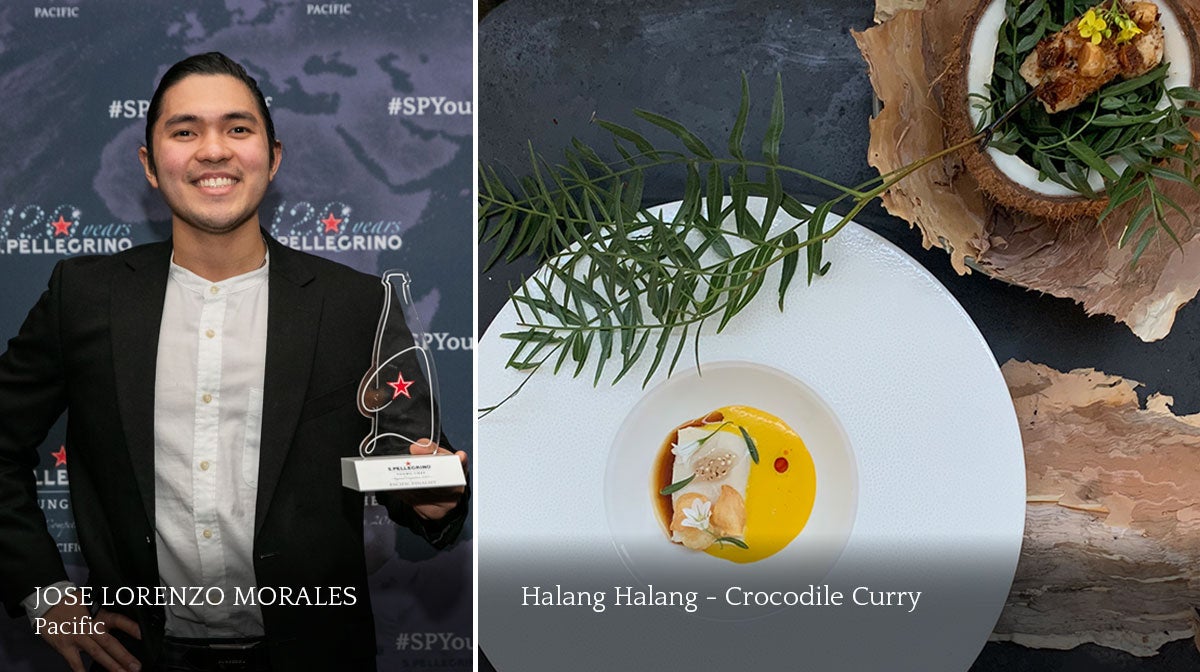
(210, 382)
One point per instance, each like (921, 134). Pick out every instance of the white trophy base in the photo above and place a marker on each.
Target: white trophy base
(402, 472)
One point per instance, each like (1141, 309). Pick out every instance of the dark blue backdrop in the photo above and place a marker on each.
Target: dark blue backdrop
(372, 100)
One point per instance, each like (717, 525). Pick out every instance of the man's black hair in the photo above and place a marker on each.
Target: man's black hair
(211, 63)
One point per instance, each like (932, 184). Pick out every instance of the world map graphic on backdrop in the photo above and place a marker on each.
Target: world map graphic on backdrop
(372, 101)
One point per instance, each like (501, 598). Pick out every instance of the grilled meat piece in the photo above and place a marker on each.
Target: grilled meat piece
(1068, 67)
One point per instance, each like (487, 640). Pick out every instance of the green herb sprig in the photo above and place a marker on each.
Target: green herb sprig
(750, 445)
(677, 486)
(733, 541)
(1122, 120)
(619, 281)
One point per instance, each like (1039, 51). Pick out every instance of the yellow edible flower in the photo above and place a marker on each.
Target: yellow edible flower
(1094, 27)
(1128, 30)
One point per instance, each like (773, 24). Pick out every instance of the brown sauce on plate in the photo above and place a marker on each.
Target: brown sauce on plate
(664, 465)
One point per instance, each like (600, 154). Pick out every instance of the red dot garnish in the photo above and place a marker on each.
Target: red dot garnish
(781, 464)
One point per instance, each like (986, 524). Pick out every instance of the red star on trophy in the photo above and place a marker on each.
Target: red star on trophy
(62, 227)
(401, 386)
(331, 223)
(60, 456)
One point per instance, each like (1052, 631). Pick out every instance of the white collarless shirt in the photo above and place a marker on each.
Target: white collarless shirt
(208, 402)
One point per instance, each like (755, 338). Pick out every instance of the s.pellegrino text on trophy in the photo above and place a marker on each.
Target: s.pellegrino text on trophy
(400, 395)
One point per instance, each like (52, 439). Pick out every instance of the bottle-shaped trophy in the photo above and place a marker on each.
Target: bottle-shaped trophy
(400, 395)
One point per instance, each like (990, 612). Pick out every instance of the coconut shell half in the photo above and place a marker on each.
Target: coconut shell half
(992, 179)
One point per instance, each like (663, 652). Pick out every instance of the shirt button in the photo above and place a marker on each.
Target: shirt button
(206, 398)
(210, 333)
(204, 465)
(214, 289)
(208, 534)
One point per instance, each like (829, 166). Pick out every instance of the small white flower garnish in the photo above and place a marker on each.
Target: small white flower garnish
(685, 451)
(697, 515)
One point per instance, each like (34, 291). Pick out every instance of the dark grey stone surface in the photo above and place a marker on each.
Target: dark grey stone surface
(546, 67)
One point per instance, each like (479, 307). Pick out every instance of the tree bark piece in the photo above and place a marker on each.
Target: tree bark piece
(886, 9)
(1111, 553)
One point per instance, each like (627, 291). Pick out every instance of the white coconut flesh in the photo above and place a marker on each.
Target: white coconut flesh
(981, 66)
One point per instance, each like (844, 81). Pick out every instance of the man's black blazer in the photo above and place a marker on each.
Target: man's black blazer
(89, 347)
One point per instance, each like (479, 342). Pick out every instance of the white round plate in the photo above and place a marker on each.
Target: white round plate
(936, 459)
